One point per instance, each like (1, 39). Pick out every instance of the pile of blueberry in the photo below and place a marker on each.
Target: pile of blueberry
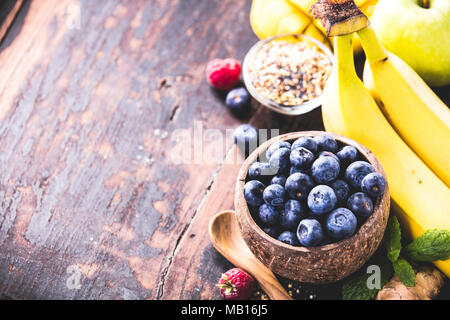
(312, 192)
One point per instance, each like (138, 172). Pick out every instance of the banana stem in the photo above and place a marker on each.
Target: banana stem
(375, 52)
(344, 62)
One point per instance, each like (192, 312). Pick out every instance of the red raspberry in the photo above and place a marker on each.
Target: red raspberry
(223, 74)
(236, 284)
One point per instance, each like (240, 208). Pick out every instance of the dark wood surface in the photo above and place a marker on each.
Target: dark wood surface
(92, 206)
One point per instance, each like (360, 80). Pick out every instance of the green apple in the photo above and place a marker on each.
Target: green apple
(418, 31)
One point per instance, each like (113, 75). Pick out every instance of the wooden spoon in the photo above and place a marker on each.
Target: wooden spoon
(227, 239)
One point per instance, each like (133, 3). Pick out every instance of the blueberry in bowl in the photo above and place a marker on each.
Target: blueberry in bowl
(320, 213)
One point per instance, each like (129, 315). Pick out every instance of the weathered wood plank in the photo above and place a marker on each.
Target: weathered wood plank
(196, 265)
(92, 206)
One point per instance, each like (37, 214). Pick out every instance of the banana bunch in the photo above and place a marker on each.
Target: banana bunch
(408, 130)
(274, 17)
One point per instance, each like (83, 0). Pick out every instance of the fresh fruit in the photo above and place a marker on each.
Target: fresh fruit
(246, 138)
(274, 195)
(341, 224)
(301, 158)
(373, 184)
(290, 216)
(258, 171)
(223, 74)
(288, 200)
(293, 170)
(360, 204)
(278, 179)
(421, 119)
(321, 199)
(419, 198)
(253, 192)
(326, 143)
(238, 100)
(236, 284)
(305, 142)
(325, 170)
(341, 189)
(356, 172)
(288, 237)
(277, 145)
(268, 215)
(279, 160)
(329, 154)
(347, 154)
(417, 31)
(298, 185)
(310, 233)
(274, 17)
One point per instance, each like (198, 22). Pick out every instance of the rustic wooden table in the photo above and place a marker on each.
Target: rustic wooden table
(92, 95)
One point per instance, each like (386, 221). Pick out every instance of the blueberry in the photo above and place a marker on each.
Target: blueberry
(259, 171)
(292, 213)
(274, 195)
(278, 179)
(238, 100)
(305, 142)
(325, 142)
(310, 233)
(360, 204)
(322, 199)
(298, 185)
(271, 231)
(279, 160)
(288, 237)
(268, 215)
(341, 224)
(253, 192)
(301, 158)
(293, 170)
(325, 169)
(329, 154)
(246, 138)
(342, 190)
(347, 154)
(373, 184)
(356, 172)
(275, 146)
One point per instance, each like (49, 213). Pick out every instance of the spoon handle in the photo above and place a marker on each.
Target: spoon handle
(222, 227)
(271, 286)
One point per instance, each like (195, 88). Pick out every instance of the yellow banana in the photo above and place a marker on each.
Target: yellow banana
(419, 197)
(366, 6)
(273, 17)
(421, 119)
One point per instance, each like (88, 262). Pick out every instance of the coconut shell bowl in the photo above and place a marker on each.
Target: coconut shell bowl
(322, 264)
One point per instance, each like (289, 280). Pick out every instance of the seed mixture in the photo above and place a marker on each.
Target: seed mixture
(289, 73)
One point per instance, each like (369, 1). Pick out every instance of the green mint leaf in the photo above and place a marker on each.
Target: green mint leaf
(393, 239)
(432, 245)
(405, 272)
(356, 289)
(356, 286)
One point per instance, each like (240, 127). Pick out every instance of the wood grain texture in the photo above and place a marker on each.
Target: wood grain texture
(91, 205)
